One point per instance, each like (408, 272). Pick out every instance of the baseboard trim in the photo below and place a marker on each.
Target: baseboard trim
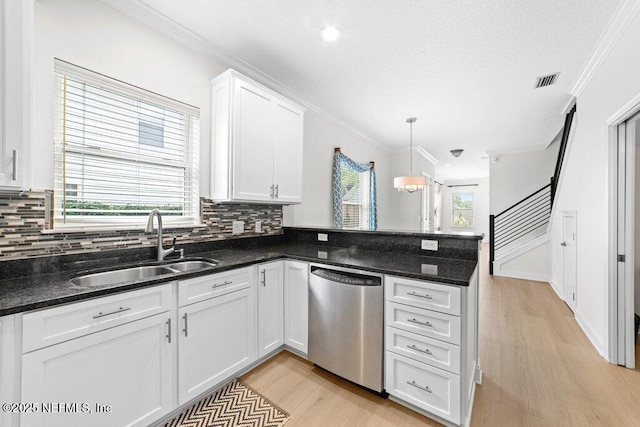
(556, 289)
(539, 277)
(596, 340)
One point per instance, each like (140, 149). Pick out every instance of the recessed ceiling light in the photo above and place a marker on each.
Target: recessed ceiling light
(330, 34)
(448, 165)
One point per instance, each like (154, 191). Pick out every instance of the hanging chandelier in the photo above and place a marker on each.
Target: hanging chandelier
(410, 183)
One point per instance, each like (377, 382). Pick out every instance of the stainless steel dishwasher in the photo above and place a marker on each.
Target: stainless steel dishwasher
(346, 324)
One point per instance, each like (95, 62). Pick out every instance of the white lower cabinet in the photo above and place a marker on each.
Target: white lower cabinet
(426, 387)
(9, 369)
(431, 344)
(217, 338)
(270, 307)
(120, 376)
(296, 305)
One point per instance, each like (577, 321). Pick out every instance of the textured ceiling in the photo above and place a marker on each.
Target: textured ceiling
(466, 69)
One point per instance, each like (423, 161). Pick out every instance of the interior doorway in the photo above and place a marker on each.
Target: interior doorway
(569, 258)
(624, 137)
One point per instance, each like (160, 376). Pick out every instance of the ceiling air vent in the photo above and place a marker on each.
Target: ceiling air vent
(546, 80)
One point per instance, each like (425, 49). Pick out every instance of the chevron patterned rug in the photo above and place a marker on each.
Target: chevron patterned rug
(233, 405)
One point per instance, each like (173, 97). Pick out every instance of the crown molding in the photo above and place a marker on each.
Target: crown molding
(428, 156)
(168, 27)
(516, 150)
(617, 25)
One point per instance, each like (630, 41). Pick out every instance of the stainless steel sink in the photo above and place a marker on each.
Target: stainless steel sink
(184, 266)
(121, 276)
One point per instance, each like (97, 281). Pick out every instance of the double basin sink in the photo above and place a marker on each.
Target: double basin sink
(134, 274)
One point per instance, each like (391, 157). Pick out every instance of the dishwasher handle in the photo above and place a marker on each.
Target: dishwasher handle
(346, 278)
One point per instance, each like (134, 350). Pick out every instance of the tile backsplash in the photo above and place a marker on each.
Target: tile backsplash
(25, 223)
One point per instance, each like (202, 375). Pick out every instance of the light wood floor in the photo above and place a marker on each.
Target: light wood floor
(539, 370)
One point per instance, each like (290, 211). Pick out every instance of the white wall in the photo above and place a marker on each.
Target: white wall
(92, 35)
(320, 137)
(481, 205)
(533, 264)
(585, 182)
(515, 176)
(406, 208)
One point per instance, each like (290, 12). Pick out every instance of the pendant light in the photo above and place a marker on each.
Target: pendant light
(410, 183)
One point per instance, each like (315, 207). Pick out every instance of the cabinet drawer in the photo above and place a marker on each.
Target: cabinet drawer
(424, 386)
(423, 349)
(423, 322)
(205, 287)
(54, 325)
(432, 296)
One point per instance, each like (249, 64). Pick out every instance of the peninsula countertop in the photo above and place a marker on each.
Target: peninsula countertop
(35, 290)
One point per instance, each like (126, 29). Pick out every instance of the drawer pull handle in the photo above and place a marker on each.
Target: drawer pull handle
(425, 388)
(417, 322)
(425, 351)
(120, 310)
(415, 294)
(186, 325)
(225, 283)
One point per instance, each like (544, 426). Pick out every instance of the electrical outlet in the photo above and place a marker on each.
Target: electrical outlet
(429, 245)
(429, 269)
(238, 227)
(258, 226)
(322, 255)
(322, 237)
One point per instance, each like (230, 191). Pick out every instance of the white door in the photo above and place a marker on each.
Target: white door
(625, 331)
(270, 307)
(287, 155)
(252, 145)
(216, 340)
(118, 377)
(296, 305)
(569, 258)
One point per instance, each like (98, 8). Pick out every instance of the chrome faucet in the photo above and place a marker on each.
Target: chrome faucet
(162, 252)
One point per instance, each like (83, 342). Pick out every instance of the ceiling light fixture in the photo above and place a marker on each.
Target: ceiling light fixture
(330, 34)
(410, 183)
(457, 152)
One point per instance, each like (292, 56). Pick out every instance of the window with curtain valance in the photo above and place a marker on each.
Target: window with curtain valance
(354, 193)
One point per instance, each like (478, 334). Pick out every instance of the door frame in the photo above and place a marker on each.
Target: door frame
(573, 214)
(627, 111)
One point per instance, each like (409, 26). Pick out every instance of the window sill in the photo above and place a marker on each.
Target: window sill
(106, 228)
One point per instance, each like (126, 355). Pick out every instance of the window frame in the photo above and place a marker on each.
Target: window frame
(188, 157)
(473, 208)
(365, 202)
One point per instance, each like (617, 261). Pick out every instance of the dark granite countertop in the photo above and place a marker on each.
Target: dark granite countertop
(44, 290)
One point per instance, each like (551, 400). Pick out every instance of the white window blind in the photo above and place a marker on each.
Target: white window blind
(121, 151)
(355, 199)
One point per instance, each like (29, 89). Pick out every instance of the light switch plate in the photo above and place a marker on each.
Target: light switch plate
(258, 226)
(322, 237)
(238, 227)
(429, 245)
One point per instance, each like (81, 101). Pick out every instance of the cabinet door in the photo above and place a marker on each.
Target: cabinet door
(252, 147)
(129, 368)
(217, 339)
(270, 307)
(9, 374)
(287, 156)
(296, 305)
(16, 46)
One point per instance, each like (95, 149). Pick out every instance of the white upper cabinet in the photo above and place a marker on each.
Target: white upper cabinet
(16, 47)
(257, 143)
